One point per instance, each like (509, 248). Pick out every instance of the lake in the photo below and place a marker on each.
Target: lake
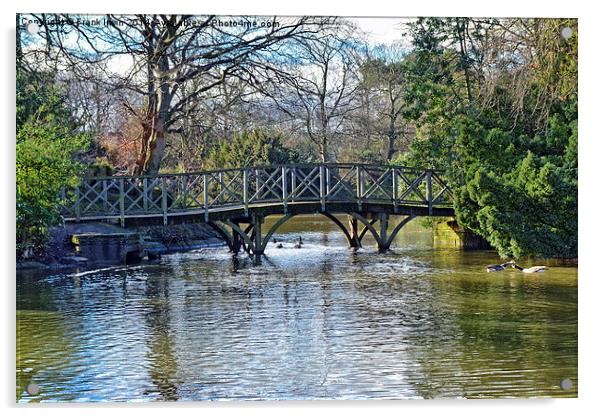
(319, 322)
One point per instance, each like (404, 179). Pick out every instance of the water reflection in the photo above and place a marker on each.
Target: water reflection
(161, 356)
(316, 322)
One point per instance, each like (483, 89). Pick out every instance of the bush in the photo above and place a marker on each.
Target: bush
(250, 149)
(46, 150)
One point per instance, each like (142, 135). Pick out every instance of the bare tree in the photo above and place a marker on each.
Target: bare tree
(157, 55)
(383, 85)
(520, 50)
(317, 88)
(217, 114)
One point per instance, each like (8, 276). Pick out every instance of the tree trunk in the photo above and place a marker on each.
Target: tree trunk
(154, 153)
(392, 134)
(462, 28)
(323, 151)
(154, 136)
(391, 147)
(152, 145)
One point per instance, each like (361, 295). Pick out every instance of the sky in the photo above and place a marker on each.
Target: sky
(378, 30)
(381, 29)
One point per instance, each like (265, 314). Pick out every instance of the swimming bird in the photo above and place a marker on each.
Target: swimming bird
(496, 267)
(279, 245)
(534, 269)
(299, 243)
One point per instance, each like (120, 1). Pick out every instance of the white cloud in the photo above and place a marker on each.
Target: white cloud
(382, 30)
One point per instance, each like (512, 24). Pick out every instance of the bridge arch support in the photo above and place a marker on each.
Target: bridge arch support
(251, 238)
(381, 235)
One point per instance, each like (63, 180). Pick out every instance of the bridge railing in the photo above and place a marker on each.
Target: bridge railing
(203, 192)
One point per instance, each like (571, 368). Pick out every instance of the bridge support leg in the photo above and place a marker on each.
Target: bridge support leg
(249, 238)
(258, 246)
(236, 242)
(381, 234)
(354, 241)
(383, 242)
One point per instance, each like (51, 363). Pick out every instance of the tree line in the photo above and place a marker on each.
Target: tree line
(493, 102)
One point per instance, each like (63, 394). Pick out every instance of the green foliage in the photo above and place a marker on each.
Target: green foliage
(253, 148)
(523, 203)
(514, 176)
(100, 167)
(46, 147)
(39, 99)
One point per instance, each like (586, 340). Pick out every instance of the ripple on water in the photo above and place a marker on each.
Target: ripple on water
(310, 323)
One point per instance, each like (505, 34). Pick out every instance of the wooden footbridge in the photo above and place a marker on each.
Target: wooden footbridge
(235, 202)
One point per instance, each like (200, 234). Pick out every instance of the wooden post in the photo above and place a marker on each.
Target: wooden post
(245, 190)
(429, 190)
(145, 194)
(322, 186)
(284, 189)
(257, 229)
(184, 197)
(293, 183)
(220, 186)
(359, 178)
(77, 204)
(236, 240)
(384, 224)
(105, 197)
(164, 199)
(394, 193)
(206, 197)
(257, 185)
(355, 241)
(121, 203)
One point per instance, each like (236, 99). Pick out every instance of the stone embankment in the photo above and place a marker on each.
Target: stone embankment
(92, 244)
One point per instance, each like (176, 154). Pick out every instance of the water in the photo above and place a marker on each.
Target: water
(319, 322)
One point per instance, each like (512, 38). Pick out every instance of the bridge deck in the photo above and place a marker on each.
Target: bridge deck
(231, 193)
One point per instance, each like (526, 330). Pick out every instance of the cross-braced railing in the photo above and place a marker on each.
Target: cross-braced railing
(165, 195)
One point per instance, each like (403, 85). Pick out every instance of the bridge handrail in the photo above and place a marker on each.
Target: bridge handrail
(256, 167)
(321, 183)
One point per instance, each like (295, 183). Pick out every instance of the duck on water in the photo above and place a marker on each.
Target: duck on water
(533, 269)
(299, 243)
(496, 267)
(512, 263)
